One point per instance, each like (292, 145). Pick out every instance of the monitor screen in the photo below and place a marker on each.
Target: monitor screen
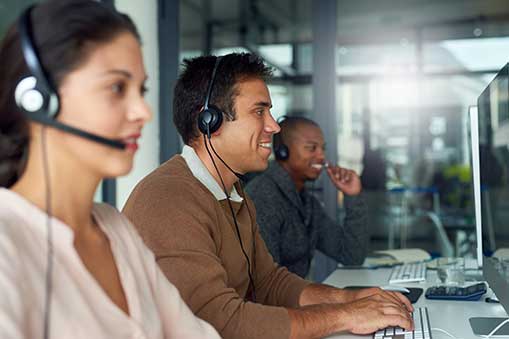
(493, 146)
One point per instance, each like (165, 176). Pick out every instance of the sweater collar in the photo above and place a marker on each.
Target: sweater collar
(203, 175)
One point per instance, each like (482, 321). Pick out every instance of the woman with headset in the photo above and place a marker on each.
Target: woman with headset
(72, 108)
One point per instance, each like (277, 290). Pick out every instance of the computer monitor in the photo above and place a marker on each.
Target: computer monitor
(491, 190)
(476, 177)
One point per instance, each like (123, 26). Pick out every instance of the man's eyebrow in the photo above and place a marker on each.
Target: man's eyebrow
(262, 104)
(311, 142)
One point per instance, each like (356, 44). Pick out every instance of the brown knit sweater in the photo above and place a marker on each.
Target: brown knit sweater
(195, 243)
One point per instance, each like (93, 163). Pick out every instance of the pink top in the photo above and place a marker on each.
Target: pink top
(79, 306)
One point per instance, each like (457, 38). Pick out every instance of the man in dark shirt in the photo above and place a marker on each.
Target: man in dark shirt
(292, 221)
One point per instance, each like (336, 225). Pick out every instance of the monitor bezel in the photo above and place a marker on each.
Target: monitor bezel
(495, 279)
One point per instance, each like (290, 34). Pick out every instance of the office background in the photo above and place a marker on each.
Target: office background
(391, 82)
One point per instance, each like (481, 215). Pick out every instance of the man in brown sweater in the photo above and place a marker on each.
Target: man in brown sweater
(194, 215)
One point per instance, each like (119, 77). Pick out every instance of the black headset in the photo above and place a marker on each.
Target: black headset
(36, 95)
(210, 117)
(281, 151)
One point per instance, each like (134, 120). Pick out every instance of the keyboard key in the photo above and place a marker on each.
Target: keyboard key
(422, 328)
(408, 273)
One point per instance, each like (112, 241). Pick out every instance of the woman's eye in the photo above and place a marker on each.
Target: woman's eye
(143, 90)
(118, 88)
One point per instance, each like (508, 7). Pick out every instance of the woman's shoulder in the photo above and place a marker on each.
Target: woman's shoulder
(112, 220)
(16, 213)
(118, 228)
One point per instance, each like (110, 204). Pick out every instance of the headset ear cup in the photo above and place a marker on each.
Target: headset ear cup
(27, 96)
(281, 152)
(210, 120)
(217, 118)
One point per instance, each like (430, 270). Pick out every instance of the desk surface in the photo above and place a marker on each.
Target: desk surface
(451, 316)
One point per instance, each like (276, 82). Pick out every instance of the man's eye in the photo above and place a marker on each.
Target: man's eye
(259, 112)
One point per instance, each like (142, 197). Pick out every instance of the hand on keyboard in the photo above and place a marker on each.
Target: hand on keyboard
(380, 309)
(366, 292)
(422, 328)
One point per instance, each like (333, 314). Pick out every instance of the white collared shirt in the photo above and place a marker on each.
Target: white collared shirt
(203, 175)
(79, 306)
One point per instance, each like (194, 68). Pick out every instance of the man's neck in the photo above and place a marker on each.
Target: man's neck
(228, 178)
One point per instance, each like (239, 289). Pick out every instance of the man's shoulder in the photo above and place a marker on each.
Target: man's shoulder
(259, 179)
(173, 175)
(172, 182)
(168, 198)
(266, 193)
(263, 182)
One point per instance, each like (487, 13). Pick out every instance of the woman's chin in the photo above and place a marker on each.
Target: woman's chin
(118, 170)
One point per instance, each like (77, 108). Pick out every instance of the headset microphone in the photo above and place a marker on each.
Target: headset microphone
(37, 96)
(45, 120)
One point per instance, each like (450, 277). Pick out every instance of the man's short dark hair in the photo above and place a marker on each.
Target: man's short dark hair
(288, 127)
(191, 87)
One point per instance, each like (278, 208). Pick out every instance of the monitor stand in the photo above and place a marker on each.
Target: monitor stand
(484, 325)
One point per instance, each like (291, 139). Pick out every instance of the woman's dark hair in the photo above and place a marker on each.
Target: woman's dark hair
(191, 87)
(65, 34)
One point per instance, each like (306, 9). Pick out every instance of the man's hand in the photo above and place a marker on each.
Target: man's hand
(377, 311)
(325, 310)
(397, 297)
(345, 180)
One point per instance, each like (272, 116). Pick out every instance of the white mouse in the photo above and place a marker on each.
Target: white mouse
(394, 288)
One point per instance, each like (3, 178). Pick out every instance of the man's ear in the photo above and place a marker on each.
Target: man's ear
(218, 132)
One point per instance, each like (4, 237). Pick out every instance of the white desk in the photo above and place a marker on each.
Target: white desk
(451, 316)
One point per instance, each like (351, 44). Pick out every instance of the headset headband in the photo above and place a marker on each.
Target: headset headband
(211, 83)
(31, 54)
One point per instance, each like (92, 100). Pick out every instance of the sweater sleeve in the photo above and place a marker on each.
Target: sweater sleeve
(346, 243)
(275, 285)
(178, 320)
(180, 226)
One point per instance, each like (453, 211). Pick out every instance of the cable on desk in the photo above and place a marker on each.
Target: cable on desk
(496, 329)
(444, 331)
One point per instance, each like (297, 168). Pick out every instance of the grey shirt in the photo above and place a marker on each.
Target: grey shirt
(294, 224)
